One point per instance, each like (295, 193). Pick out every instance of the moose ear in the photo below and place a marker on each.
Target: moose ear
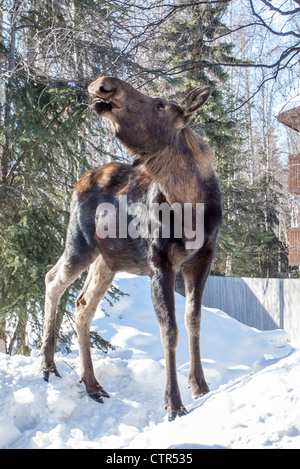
(194, 100)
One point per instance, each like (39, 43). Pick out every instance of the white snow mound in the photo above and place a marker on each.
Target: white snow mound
(253, 376)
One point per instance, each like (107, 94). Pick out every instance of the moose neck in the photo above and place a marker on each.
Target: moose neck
(180, 168)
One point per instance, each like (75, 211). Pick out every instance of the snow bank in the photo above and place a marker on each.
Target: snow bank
(290, 103)
(252, 376)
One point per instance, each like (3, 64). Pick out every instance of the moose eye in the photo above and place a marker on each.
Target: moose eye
(160, 106)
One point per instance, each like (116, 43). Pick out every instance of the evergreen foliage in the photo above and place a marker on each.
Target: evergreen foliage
(49, 52)
(249, 244)
(44, 150)
(190, 40)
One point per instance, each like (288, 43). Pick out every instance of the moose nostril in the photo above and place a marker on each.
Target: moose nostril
(103, 90)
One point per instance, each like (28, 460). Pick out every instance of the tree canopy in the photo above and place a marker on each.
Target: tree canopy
(248, 52)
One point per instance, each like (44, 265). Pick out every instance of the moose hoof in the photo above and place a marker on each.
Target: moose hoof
(104, 393)
(200, 392)
(199, 389)
(46, 373)
(97, 396)
(178, 412)
(197, 396)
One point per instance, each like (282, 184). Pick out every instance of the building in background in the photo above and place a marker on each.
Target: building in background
(290, 116)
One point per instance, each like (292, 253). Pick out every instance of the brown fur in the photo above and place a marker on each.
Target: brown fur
(172, 165)
(106, 177)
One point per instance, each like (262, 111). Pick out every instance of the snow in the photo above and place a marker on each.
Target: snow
(253, 376)
(290, 103)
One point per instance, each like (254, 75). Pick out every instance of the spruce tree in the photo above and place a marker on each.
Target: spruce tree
(45, 147)
(189, 41)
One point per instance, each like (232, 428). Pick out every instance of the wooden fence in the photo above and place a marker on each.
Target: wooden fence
(258, 302)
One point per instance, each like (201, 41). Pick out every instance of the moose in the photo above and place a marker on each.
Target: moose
(171, 165)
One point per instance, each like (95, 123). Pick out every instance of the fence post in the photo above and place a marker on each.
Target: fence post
(281, 303)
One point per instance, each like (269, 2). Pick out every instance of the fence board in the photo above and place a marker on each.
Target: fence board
(258, 302)
(262, 303)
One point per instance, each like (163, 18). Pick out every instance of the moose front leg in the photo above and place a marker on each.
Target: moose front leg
(162, 285)
(195, 276)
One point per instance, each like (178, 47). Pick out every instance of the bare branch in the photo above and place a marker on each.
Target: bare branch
(263, 23)
(272, 7)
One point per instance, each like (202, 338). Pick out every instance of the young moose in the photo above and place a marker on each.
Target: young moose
(172, 165)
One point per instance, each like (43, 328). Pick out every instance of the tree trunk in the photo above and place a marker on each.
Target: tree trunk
(9, 72)
(2, 337)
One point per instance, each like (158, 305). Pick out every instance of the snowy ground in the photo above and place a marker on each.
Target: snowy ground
(254, 378)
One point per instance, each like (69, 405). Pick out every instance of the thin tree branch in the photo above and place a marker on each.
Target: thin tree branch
(263, 23)
(272, 7)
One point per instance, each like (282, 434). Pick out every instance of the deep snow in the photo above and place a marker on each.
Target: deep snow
(254, 378)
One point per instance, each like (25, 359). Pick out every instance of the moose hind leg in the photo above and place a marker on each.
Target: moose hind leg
(57, 280)
(98, 281)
